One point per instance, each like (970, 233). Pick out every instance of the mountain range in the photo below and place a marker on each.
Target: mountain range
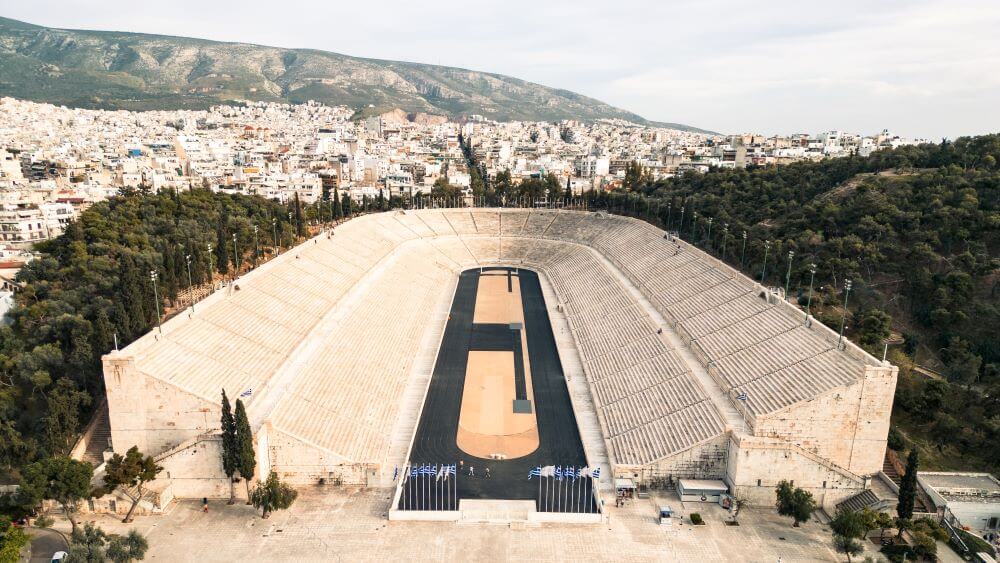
(118, 70)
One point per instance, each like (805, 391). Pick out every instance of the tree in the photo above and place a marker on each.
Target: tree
(222, 243)
(12, 540)
(849, 524)
(883, 521)
(848, 546)
(246, 460)
(87, 545)
(123, 549)
(230, 448)
(271, 495)
(908, 487)
(795, 502)
(803, 505)
(61, 479)
(338, 209)
(739, 503)
(64, 403)
(300, 227)
(875, 327)
(130, 472)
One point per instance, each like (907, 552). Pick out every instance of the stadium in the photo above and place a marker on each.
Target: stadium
(507, 339)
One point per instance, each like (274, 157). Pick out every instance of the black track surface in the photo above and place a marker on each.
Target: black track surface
(559, 438)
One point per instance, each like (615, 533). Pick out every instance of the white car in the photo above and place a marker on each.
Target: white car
(58, 556)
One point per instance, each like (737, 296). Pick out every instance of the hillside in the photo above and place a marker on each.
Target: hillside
(916, 230)
(113, 70)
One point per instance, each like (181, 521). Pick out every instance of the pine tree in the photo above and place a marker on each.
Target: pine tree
(246, 460)
(908, 487)
(230, 445)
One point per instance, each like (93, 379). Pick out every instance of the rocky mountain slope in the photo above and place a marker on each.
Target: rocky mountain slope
(100, 69)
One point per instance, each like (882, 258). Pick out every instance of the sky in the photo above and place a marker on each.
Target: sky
(920, 68)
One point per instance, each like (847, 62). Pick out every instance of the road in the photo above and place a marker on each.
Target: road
(44, 543)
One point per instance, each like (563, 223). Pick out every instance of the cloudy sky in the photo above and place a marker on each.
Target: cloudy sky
(917, 67)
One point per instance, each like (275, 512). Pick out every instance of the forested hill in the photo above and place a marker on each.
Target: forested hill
(916, 230)
(115, 70)
(93, 283)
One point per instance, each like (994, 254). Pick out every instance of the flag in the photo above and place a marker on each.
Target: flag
(742, 397)
(536, 472)
(414, 472)
(395, 472)
(559, 473)
(427, 470)
(548, 471)
(570, 473)
(596, 473)
(442, 472)
(585, 472)
(452, 469)
(247, 393)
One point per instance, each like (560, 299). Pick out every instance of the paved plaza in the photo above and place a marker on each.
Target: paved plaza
(350, 524)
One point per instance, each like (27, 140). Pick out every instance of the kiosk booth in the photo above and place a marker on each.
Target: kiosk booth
(696, 490)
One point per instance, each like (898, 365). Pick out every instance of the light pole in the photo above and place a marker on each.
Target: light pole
(680, 229)
(743, 255)
(763, 270)
(274, 225)
(294, 230)
(725, 239)
(256, 247)
(812, 277)
(694, 228)
(670, 209)
(236, 258)
(710, 219)
(843, 318)
(156, 299)
(187, 262)
(788, 274)
(211, 266)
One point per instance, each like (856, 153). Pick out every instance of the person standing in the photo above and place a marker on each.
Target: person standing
(472, 471)
(204, 504)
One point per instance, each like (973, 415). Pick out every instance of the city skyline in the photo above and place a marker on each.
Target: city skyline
(912, 68)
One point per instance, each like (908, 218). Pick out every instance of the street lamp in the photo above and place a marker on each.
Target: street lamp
(670, 209)
(187, 262)
(680, 229)
(255, 246)
(788, 275)
(725, 239)
(710, 219)
(743, 255)
(211, 266)
(812, 277)
(763, 271)
(274, 225)
(236, 258)
(694, 228)
(156, 299)
(843, 318)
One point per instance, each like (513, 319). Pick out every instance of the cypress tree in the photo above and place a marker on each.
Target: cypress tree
(338, 209)
(230, 452)
(908, 487)
(221, 251)
(299, 226)
(246, 460)
(102, 338)
(347, 205)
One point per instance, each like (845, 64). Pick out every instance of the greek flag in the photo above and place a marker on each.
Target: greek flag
(247, 393)
(559, 473)
(427, 470)
(442, 472)
(414, 472)
(452, 469)
(536, 472)
(596, 473)
(585, 472)
(548, 471)
(570, 473)
(395, 472)
(742, 396)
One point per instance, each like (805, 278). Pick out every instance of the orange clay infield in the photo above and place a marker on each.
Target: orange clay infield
(487, 424)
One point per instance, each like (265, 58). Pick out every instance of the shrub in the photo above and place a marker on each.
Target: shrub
(896, 440)
(44, 521)
(696, 519)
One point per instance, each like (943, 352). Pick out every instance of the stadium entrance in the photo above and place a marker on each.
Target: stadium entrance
(497, 422)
